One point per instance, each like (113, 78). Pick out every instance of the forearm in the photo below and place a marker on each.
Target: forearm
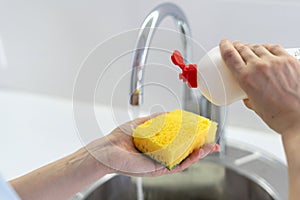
(270, 77)
(291, 141)
(114, 153)
(60, 179)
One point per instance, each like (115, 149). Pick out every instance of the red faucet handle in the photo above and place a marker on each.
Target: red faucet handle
(189, 72)
(177, 59)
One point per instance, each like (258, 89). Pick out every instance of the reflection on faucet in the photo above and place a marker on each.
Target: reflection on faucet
(3, 59)
(191, 102)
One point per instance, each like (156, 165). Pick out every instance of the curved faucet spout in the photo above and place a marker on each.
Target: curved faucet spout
(145, 35)
(198, 104)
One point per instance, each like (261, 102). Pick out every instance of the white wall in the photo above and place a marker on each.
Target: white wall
(43, 44)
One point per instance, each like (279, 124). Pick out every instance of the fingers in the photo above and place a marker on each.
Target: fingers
(245, 51)
(196, 155)
(231, 57)
(254, 51)
(187, 162)
(209, 148)
(260, 51)
(276, 50)
(191, 159)
(201, 153)
(216, 148)
(248, 104)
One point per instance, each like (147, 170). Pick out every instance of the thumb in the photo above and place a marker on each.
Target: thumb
(248, 103)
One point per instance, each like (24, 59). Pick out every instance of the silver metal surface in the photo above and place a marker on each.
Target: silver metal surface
(231, 177)
(144, 38)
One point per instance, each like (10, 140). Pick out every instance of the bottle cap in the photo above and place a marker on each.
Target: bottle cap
(189, 71)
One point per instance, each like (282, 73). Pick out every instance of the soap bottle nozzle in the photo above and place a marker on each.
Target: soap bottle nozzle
(189, 71)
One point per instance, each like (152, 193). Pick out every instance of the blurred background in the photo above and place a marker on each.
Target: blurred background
(45, 44)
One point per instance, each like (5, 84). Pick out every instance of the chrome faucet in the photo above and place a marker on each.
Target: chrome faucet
(191, 102)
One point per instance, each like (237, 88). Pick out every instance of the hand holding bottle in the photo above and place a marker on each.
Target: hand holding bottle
(214, 79)
(271, 79)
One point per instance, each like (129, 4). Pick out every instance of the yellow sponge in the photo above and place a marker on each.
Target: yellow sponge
(169, 138)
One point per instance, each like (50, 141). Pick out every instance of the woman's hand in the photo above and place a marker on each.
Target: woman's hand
(114, 153)
(271, 79)
(118, 153)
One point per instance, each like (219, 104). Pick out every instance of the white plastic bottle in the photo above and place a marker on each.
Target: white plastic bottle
(217, 83)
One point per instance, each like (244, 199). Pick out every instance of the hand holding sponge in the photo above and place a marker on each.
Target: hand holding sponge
(169, 138)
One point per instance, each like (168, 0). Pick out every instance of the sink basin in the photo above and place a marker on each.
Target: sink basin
(240, 173)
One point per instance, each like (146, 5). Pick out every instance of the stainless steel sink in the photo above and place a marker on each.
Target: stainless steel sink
(240, 173)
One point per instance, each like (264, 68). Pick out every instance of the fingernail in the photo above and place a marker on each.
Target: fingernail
(217, 148)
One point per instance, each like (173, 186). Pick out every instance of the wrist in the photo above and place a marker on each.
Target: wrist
(91, 163)
(291, 141)
(291, 136)
(99, 153)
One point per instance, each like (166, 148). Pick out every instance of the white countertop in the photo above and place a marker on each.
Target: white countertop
(36, 129)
